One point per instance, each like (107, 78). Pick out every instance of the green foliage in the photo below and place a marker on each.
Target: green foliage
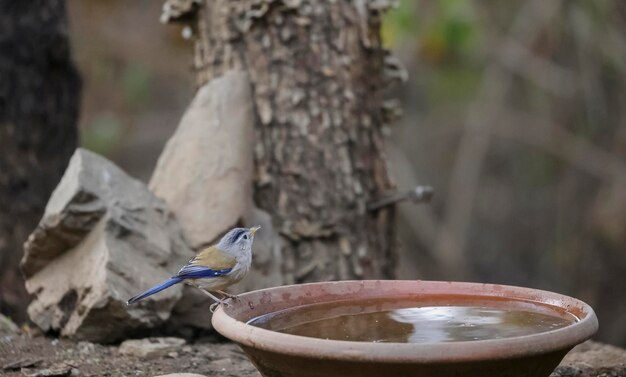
(102, 134)
(136, 80)
(443, 31)
(133, 82)
(398, 23)
(445, 36)
(457, 26)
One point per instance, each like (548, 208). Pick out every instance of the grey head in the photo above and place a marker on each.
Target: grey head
(238, 240)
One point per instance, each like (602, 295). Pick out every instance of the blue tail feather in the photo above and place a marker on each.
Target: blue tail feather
(157, 288)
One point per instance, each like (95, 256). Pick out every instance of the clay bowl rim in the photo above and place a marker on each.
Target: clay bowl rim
(439, 352)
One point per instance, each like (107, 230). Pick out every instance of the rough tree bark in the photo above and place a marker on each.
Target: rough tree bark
(318, 71)
(39, 97)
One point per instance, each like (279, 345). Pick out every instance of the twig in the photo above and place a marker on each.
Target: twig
(419, 194)
(421, 219)
(571, 148)
(542, 72)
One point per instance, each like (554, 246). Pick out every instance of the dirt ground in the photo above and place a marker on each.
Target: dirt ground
(40, 356)
(34, 355)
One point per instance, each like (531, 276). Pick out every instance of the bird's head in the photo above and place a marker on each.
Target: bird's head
(238, 240)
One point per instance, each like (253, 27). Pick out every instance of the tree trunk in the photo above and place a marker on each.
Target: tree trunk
(316, 70)
(39, 97)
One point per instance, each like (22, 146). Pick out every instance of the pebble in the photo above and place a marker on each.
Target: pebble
(22, 363)
(86, 348)
(150, 347)
(59, 370)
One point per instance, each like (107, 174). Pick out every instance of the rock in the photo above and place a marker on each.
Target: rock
(103, 237)
(205, 170)
(59, 370)
(150, 347)
(7, 326)
(593, 359)
(22, 363)
(182, 375)
(85, 348)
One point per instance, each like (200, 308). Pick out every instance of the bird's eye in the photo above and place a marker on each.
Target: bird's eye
(245, 236)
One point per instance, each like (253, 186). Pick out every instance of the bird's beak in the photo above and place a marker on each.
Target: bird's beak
(254, 229)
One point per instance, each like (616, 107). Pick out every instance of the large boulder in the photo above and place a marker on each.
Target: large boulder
(103, 237)
(205, 170)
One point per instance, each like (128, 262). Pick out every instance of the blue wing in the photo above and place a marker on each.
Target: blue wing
(196, 272)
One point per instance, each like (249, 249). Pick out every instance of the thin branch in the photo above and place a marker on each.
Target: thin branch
(421, 219)
(476, 138)
(555, 140)
(542, 72)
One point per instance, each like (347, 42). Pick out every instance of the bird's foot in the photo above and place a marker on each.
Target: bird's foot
(214, 305)
(217, 300)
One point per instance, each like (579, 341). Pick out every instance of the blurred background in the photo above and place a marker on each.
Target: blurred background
(515, 112)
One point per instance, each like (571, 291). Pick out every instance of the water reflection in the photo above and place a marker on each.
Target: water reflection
(404, 322)
(463, 323)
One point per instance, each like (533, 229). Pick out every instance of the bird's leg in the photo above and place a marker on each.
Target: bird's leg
(214, 298)
(234, 297)
(219, 301)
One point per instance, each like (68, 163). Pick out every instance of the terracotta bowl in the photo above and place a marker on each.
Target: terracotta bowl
(278, 354)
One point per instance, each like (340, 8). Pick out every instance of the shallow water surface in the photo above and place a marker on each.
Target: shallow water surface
(411, 321)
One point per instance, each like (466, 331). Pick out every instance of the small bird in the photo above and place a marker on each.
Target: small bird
(214, 268)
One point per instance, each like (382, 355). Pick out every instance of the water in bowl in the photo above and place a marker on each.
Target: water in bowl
(415, 321)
